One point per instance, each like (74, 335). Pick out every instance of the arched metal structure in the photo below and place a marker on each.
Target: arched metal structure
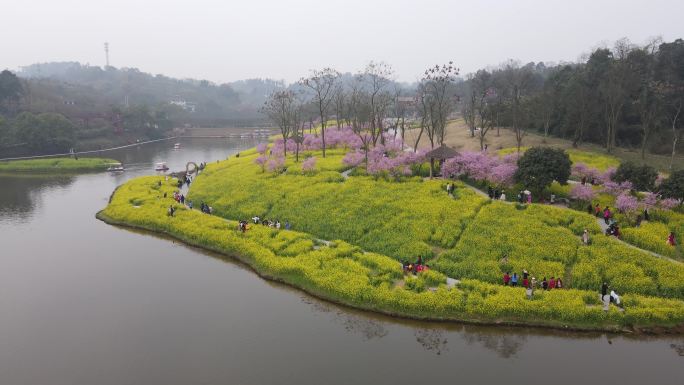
(195, 168)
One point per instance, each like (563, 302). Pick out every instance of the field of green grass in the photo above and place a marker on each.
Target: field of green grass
(375, 214)
(57, 165)
(374, 223)
(346, 274)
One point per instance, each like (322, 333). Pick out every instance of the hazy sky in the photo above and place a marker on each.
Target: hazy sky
(230, 40)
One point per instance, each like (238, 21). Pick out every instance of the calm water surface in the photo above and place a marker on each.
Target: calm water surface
(82, 302)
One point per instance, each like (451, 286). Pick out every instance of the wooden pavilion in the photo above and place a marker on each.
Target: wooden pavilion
(440, 153)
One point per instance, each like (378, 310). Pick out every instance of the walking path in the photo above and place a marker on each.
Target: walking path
(345, 174)
(87, 152)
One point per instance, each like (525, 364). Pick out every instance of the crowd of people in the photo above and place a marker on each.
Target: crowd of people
(243, 225)
(613, 228)
(530, 283)
(494, 193)
(524, 197)
(414, 268)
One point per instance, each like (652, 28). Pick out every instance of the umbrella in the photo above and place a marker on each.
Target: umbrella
(527, 192)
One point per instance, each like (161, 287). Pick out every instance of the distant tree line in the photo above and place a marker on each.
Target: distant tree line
(628, 96)
(98, 107)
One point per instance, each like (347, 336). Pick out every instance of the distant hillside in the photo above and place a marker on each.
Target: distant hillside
(53, 107)
(81, 91)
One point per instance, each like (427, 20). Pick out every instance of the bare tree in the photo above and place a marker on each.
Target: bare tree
(437, 86)
(436, 98)
(670, 78)
(545, 107)
(282, 108)
(360, 113)
(322, 83)
(616, 89)
(339, 102)
(402, 106)
(377, 78)
(469, 106)
(299, 122)
(674, 119)
(481, 84)
(518, 81)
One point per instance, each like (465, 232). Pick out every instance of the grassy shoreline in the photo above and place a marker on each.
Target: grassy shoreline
(344, 274)
(387, 312)
(59, 165)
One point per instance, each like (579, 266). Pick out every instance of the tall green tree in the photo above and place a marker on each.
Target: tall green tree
(669, 72)
(673, 187)
(45, 132)
(540, 166)
(10, 91)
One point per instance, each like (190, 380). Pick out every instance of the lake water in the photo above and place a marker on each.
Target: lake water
(82, 302)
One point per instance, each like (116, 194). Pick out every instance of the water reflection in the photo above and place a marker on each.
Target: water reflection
(22, 195)
(432, 340)
(368, 328)
(505, 345)
(678, 348)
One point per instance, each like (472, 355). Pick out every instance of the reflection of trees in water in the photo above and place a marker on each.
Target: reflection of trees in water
(432, 340)
(20, 195)
(505, 345)
(679, 348)
(367, 327)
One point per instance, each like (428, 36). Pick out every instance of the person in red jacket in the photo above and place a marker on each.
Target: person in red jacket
(506, 278)
(552, 283)
(671, 239)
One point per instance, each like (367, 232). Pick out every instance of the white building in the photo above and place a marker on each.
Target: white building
(182, 103)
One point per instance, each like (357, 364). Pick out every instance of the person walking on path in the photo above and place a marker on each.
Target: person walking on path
(514, 279)
(597, 210)
(671, 239)
(604, 297)
(606, 215)
(506, 279)
(585, 237)
(529, 291)
(604, 290)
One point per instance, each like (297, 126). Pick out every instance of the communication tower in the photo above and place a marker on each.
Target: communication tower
(106, 46)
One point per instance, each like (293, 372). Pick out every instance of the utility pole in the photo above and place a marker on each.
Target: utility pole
(106, 46)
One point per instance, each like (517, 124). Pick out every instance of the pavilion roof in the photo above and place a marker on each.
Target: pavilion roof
(441, 152)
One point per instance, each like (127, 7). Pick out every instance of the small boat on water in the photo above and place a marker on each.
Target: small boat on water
(177, 146)
(161, 166)
(116, 167)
